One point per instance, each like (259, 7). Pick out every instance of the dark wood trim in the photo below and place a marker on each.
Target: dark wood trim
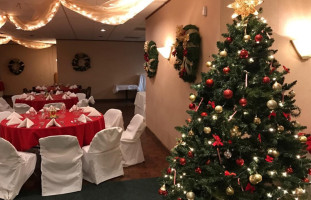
(157, 9)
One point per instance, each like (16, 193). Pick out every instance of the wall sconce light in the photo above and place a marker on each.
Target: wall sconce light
(166, 51)
(302, 47)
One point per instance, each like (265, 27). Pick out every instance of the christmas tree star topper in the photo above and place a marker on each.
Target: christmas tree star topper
(244, 7)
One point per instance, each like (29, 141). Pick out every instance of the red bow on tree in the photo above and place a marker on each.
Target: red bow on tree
(212, 103)
(217, 141)
(287, 116)
(272, 114)
(269, 159)
(272, 70)
(259, 137)
(286, 69)
(227, 173)
(250, 188)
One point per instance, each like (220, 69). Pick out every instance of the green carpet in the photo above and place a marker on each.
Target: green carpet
(141, 189)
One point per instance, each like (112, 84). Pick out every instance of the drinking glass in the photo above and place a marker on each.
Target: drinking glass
(41, 119)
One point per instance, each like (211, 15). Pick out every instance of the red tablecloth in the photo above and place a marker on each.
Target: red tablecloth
(26, 138)
(40, 101)
(60, 88)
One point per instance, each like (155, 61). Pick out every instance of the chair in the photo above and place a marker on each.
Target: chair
(81, 96)
(102, 159)
(4, 114)
(15, 168)
(130, 141)
(14, 97)
(56, 105)
(113, 118)
(4, 106)
(21, 108)
(61, 165)
(88, 92)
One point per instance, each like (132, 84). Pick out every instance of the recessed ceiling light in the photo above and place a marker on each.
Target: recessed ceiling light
(102, 30)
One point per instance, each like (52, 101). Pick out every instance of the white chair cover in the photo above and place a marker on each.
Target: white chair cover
(21, 108)
(102, 159)
(61, 165)
(86, 102)
(56, 105)
(4, 115)
(4, 106)
(81, 96)
(130, 141)
(14, 97)
(113, 118)
(142, 83)
(15, 168)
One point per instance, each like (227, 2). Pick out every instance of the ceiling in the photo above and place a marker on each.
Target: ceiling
(69, 25)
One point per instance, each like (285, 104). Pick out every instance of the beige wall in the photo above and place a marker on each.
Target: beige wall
(111, 63)
(167, 95)
(40, 66)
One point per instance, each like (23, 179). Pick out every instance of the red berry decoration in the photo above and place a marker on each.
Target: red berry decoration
(198, 170)
(203, 114)
(209, 82)
(229, 39)
(192, 106)
(306, 180)
(244, 53)
(266, 79)
(228, 94)
(226, 70)
(190, 154)
(182, 161)
(169, 171)
(239, 161)
(258, 38)
(243, 102)
(289, 170)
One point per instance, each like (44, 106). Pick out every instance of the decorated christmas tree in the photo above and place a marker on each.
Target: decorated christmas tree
(242, 141)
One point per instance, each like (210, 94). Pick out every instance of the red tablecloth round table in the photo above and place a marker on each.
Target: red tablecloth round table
(25, 138)
(40, 101)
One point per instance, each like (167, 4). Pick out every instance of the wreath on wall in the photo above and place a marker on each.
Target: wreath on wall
(151, 58)
(81, 62)
(187, 51)
(16, 66)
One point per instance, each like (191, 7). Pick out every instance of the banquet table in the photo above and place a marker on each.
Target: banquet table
(25, 138)
(40, 101)
(60, 88)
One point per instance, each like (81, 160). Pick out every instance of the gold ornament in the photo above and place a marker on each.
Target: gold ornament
(299, 191)
(255, 179)
(235, 132)
(218, 109)
(292, 94)
(190, 133)
(270, 150)
(207, 130)
(230, 191)
(208, 64)
(275, 153)
(247, 37)
(280, 128)
(277, 86)
(303, 138)
(244, 7)
(258, 178)
(190, 195)
(192, 97)
(223, 53)
(272, 104)
(257, 120)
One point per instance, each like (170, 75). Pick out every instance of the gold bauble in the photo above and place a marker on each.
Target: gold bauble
(303, 138)
(275, 153)
(218, 109)
(247, 37)
(223, 53)
(277, 86)
(235, 132)
(255, 179)
(299, 191)
(207, 130)
(280, 128)
(208, 64)
(230, 191)
(270, 151)
(190, 133)
(292, 94)
(192, 97)
(257, 120)
(258, 178)
(190, 195)
(272, 104)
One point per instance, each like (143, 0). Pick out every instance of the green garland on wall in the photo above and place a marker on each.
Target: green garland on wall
(187, 52)
(151, 58)
(81, 58)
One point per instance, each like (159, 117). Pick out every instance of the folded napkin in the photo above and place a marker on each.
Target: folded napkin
(94, 113)
(74, 107)
(43, 88)
(87, 109)
(30, 97)
(31, 110)
(26, 123)
(23, 96)
(73, 95)
(57, 88)
(84, 118)
(65, 96)
(39, 88)
(49, 97)
(59, 92)
(14, 120)
(68, 93)
(53, 122)
(14, 114)
(73, 87)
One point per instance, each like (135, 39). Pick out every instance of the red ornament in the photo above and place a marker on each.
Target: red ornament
(244, 53)
(203, 114)
(229, 39)
(188, 120)
(162, 192)
(190, 154)
(243, 102)
(198, 170)
(226, 70)
(174, 53)
(208, 162)
(228, 94)
(182, 161)
(266, 79)
(209, 82)
(306, 180)
(309, 171)
(239, 161)
(258, 38)
(169, 170)
(289, 170)
(179, 198)
(192, 106)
